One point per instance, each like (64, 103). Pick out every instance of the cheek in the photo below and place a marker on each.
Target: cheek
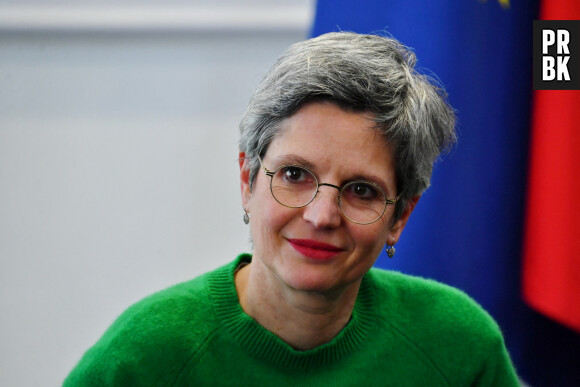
(268, 219)
(372, 239)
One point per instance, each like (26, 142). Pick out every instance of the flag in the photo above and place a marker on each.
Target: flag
(551, 272)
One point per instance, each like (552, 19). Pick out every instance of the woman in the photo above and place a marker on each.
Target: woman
(337, 145)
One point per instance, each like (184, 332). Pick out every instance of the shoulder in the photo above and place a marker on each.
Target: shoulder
(153, 338)
(424, 300)
(444, 324)
(163, 314)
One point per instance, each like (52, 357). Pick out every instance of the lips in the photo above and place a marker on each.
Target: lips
(314, 249)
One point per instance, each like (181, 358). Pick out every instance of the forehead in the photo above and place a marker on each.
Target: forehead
(332, 138)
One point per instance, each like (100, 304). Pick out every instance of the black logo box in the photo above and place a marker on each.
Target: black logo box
(573, 28)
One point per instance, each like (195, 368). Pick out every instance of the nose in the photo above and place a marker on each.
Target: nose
(323, 211)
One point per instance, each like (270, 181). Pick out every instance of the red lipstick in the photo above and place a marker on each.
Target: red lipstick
(314, 249)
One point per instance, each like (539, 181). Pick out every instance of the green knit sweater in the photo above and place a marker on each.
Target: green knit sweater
(404, 331)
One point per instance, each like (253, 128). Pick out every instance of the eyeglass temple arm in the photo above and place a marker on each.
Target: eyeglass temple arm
(394, 200)
(266, 171)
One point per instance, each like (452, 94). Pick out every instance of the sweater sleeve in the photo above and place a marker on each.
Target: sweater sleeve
(498, 369)
(459, 337)
(149, 344)
(99, 369)
(142, 348)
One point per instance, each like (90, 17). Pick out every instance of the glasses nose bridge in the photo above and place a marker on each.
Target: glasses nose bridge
(328, 185)
(339, 206)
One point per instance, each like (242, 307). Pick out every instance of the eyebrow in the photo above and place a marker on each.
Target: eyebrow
(300, 161)
(294, 159)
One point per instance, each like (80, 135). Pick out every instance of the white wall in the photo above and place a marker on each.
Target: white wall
(118, 163)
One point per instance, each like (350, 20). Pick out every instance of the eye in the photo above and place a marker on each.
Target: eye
(295, 174)
(361, 191)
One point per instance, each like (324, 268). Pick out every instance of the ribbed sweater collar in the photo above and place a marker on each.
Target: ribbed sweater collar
(266, 346)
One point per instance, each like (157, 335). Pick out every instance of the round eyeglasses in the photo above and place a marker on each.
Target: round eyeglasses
(360, 201)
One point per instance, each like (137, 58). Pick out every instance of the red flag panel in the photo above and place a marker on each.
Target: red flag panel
(551, 274)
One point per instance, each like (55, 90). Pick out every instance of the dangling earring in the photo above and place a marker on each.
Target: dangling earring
(246, 217)
(390, 250)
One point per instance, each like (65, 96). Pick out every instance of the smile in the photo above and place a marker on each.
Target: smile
(314, 249)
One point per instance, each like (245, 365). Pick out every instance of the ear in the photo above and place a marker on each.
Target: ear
(244, 180)
(399, 225)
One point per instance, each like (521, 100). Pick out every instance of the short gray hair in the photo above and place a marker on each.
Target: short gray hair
(361, 73)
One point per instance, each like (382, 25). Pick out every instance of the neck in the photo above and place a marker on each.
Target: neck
(303, 319)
